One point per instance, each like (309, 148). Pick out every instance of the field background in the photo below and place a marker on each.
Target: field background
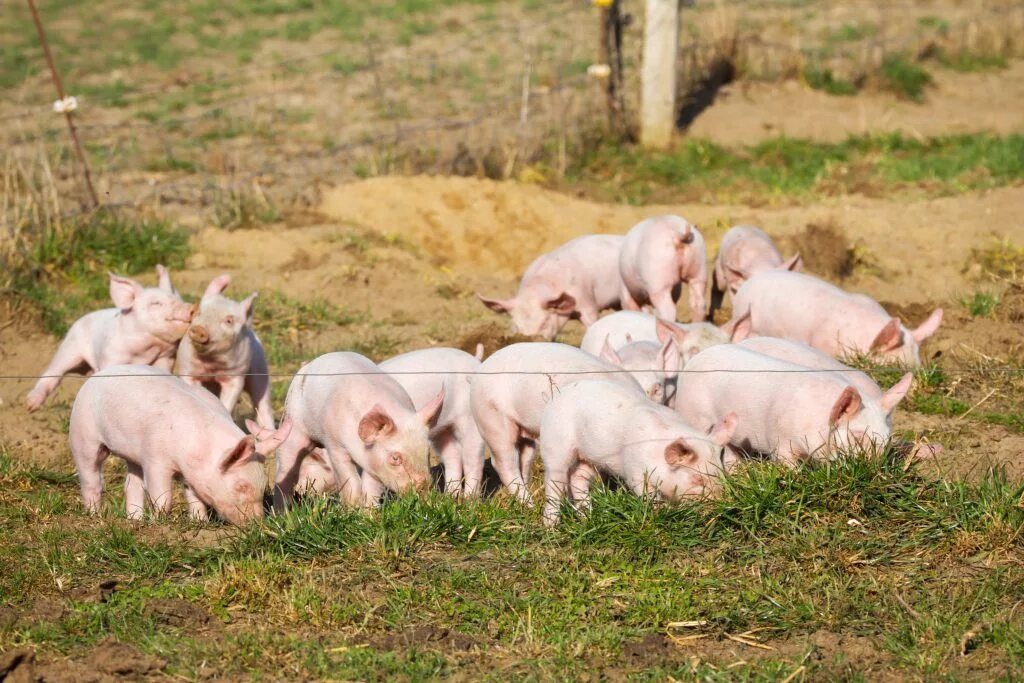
(369, 166)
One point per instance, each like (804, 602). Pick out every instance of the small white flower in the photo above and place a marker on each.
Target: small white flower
(69, 103)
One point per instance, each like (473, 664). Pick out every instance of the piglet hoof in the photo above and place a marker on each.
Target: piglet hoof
(34, 400)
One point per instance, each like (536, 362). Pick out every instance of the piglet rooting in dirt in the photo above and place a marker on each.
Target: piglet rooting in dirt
(222, 353)
(165, 429)
(745, 251)
(658, 256)
(143, 328)
(577, 280)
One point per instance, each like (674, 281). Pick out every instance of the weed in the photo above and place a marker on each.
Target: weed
(823, 79)
(243, 207)
(904, 77)
(851, 33)
(1002, 259)
(981, 304)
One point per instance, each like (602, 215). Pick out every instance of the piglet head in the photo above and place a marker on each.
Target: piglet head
(895, 343)
(158, 311)
(399, 454)
(220, 323)
(693, 465)
(238, 495)
(536, 311)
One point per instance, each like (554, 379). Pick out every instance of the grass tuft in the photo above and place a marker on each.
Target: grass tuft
(904, 77)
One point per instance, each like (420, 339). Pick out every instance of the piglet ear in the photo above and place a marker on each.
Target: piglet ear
(164, 280)
(928, 327)
(890, 337)
(124, 291)
(739, 329)
(666, 330)
(609, 354)
(247, 305)
(268, 441)
(895, 394)
(429, 413)
(722, 431)
(794, 263)
(217, 285)
(678, 453)
(241, 454)
(497, 305)
(738, 277)
(847, 405)
(479, 355)
(563, 304)
(375, 425)
(668, 359)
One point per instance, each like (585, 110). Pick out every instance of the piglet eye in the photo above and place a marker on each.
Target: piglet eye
(154, 304)
(395, 459)
(230, 320)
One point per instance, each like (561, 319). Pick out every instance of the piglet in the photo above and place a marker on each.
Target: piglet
(577, 280)
(623, 327)
(510, 391)
(371, 433)
(144, 329)
(222, 353)
(597, 426)
(788, 411)
(805, 309)
(658, 256)
(745, 251)
(165, 429)
(654, 366)
(426, 373)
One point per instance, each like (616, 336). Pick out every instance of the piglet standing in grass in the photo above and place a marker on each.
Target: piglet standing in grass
(222, 353)
(143, 328)
(510, 391)
(577, 280)
(371, 435)
(164, 430)
(425, 374)
(788, 411)
(805, 309)
(658, 256)
(745, 251)
(598, 426)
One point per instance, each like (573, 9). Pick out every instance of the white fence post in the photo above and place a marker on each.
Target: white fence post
(658, 79)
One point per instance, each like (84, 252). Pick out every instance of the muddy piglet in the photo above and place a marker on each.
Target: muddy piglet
(577, 280)
(222, 353)
(370, 432)
(165, 429)
(745, 251)
(597, 426)
(658, 256)
(143, 328)
(805, 309)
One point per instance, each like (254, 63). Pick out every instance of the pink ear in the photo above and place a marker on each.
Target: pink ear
(889, 338)
(564, 304)
(928, 327)
(609, 354)
(124, 291)
(666, 330)
(479, 355)
(217, 285)
(679, 453)
(247, 305)
(721, 433)
(795, 263)
(164, 279)
(241, 454)
(892, 398)
(429, 413)
(497, 305)
(847, 405)
(739, 329)
(375, 425)
(268, 441)
(669, 360)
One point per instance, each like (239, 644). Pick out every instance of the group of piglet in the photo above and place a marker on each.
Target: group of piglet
(664, 407)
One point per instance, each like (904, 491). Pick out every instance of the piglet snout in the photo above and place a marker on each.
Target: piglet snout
(199, 334)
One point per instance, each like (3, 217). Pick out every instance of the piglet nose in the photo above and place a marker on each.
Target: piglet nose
(199, 334)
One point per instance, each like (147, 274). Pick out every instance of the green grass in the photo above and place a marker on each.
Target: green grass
(851, 33)
(64, 272)
(823, 79)
(968, 62)
(905, 78)
(794, 168)
(981, 304)
(322, 591)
